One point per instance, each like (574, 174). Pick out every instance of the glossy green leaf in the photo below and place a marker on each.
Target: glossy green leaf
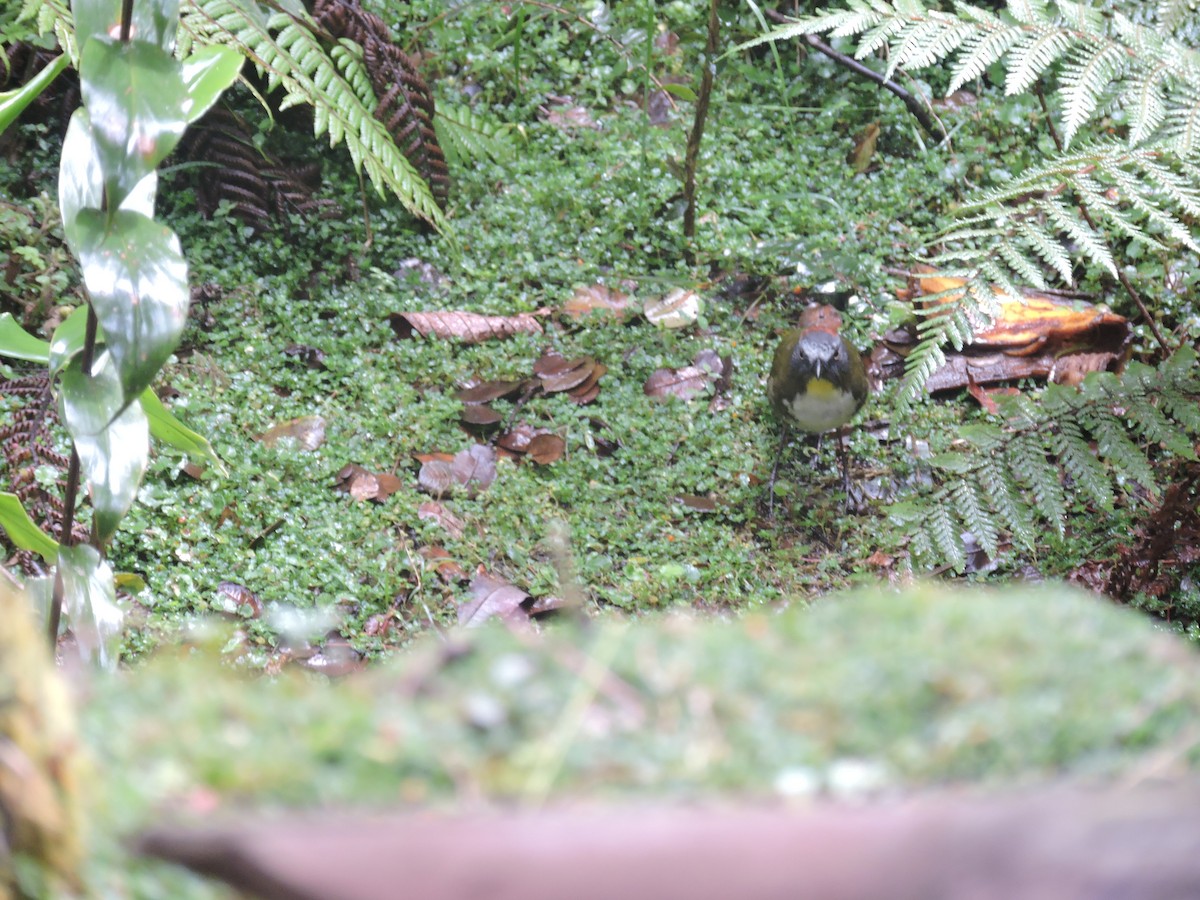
(80, 179)
(17, 343)
(168, 429)
(111, 438)
(156, 22)
(13, 103)
(90, 602)
(207, 73)
(68, 339)
(23, 531)
(135, 96)
(136, 276)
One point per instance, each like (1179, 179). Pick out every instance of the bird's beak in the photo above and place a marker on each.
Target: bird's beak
(817, 367)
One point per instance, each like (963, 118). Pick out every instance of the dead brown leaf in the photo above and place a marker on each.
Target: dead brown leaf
(468, 327)
(708, 368)
(436, 512)
(598, 298)
(562, 114)
(311, 357)
(492, 597)
(864, 148)
(546, 448)
(307, 431)
(362, 484)
(559, 374)
(238, 600)
(440, 560)
(487, 391)
(480, 414)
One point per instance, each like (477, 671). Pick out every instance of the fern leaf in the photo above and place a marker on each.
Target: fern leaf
(467, 136)
(976, 515)
(1033, 56)
(1011, 508)
(944, 531)
(1116, 449)
(1085, 78)
(979, 52)
(1027, 457)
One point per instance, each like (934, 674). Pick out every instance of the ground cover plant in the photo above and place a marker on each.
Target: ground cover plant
(554, 405)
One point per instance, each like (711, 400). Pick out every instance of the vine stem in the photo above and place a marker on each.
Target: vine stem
(1126, 283)
(71, 491)
(692, 156)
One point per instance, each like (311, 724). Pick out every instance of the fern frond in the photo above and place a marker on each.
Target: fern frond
(1027, 457)
(466, 136)
(1033, 56)
(976, 515)
(53, 17)
(291, 57)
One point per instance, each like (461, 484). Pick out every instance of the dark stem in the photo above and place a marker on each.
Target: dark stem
(914, 104)
(64, 537)
(71, 492)
(1087, 217)
(126, 19)
(693, 145)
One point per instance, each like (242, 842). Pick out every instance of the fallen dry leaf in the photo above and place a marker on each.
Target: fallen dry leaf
(440, 560)
(362, 484)
(487, 391)
(470, 328)
(598, 298)
(492, 597)
(311, 357)
(473, 468)
(436, 512)
(676, 309)
(238, 600)
(708, 368)
(561, 114)
(480, 414)
(559, 374)
(860, 155)
(307, 431)
(546, 448)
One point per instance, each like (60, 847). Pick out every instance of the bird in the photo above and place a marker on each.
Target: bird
(817, 383)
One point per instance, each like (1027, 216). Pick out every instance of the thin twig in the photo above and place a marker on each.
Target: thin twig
(914, 104)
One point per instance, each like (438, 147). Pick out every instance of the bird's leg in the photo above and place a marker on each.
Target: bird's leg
(783, 436)
(844, 453)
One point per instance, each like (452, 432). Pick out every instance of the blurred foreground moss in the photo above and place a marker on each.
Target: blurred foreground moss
(874, 690)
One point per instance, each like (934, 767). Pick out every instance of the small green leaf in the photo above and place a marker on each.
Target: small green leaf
(135, 95)
(13, 103)
(23, 531)
(111, 438)
(17, 343)
(682, 91)
(68, 339)
(137, 278)
(168, 429)
(90, 601)
(207, 73)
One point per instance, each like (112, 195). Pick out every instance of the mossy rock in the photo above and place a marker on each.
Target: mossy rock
(868, 691)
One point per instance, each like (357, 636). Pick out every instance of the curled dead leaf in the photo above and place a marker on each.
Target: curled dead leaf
(468, 327)
(480, 414)
(492, 597)
(238, 600)
(362, 484)
(440, 560)
(708, 368)
(559, 374)
(310, 357)
(546, 448)
(436, 512)
(307, 431)
(598, 298)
